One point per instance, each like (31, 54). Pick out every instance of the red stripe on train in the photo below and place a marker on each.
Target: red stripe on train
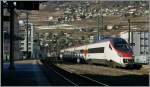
(127, 55)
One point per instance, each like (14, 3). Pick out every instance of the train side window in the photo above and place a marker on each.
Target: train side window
(110, 47)
(96, 50)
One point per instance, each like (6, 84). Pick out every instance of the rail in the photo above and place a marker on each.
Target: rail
(72, 78)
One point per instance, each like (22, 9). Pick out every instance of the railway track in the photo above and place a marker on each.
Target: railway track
(111, 76)
(70, 78)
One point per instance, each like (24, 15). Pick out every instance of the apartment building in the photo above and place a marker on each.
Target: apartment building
(23, 43)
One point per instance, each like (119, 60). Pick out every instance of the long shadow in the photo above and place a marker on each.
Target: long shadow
(125, 80)
(22, 75)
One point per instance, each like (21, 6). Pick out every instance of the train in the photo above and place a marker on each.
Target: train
(114, 52)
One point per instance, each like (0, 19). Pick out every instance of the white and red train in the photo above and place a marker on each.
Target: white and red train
(113, 52)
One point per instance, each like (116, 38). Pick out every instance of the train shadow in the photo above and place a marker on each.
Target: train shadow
(125, 80)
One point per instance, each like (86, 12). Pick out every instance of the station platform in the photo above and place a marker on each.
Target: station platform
(26, 73)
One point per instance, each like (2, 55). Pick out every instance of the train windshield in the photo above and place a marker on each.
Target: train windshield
(121, 44)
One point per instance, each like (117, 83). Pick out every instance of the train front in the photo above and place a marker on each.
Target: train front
(125, 52)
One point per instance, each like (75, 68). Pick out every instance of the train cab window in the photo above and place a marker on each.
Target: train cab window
(121, 44)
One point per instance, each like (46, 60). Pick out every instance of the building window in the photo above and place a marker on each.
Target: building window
(22, 43)
(142, 38)
(146, 45)
(29, 43)
(142, 45)
(29, 48)
(21, 48)
(142, 52)
(146, 38)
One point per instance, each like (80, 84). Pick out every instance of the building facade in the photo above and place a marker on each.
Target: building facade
(23, 45)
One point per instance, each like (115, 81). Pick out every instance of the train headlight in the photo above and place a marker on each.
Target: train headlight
(125, 60)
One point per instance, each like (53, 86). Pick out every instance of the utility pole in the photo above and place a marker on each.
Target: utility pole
(129, 31)
(98, 20)
(98, 27)
(101, 13)
(132, 38)
(57, 49)
(11, 7)
(101, 17)
(2, 46)
(27, 35)
(149, 43)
